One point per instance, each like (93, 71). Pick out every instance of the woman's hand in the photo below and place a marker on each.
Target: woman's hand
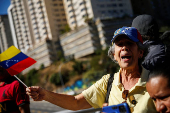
(105, 104)
(36, 93)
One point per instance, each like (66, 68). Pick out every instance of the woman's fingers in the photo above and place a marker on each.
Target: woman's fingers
(105, 104)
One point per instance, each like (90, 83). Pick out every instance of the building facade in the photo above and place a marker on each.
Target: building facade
(77, 11)
(157, 8)
(5, 33)
(81, 42)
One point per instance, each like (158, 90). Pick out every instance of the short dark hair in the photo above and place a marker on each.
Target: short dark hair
(160, 71)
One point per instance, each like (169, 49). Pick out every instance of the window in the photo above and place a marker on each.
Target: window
(69, 5)
(43, 22)
(41, 12)
(121, 5)
(102, 12)
(111, 5)
(35, 28)
(83, 9)
(102, 5)
(71, 16)
(39, 2)
(58, 20)
(73, 22)
(31, 9)
(36, 33)
(37, 37)
(30, 4)
(35, 23)
(82, 3)
(33, 13)
(44, 27)
(70, 11)
(34, 18)
(84, 15)
(40, 7)
(42, 17)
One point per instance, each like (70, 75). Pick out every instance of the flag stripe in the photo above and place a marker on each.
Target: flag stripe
(20, 66)
(8, 63)
(9, 53)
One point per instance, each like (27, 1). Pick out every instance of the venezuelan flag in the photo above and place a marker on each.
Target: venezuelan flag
(14, 61)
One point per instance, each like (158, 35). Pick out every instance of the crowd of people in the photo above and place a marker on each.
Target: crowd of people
(143, 75)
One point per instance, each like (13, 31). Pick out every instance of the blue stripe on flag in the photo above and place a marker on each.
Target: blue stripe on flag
(10, 62)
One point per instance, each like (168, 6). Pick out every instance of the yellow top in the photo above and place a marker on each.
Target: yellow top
(95, 95)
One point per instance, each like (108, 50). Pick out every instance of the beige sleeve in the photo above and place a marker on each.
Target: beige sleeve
(95, 95)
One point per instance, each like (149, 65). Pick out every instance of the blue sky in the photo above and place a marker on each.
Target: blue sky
(4, 4)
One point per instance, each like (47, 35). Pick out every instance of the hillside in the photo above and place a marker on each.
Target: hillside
(46, 73)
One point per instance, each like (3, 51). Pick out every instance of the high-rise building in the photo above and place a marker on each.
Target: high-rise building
(37, 25)
(157, 8)
(5, 33)
(77, 11)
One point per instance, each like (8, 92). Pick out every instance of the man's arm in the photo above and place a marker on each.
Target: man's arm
(65, 101)
(24, 108)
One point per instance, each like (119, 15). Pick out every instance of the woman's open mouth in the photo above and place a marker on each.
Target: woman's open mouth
(125, 58)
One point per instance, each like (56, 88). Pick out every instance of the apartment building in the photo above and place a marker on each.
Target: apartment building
(77, 11)
(80, 42)
(36, 26)
(158, 8)
(5, 33)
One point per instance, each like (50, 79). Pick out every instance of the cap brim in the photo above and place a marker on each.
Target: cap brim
(130, 37)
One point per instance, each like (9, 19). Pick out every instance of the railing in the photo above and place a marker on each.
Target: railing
(90, 110)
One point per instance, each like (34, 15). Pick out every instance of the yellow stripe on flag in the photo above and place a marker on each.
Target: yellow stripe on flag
(9, 53)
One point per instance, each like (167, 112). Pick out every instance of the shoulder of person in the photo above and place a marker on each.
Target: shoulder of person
(107, 76)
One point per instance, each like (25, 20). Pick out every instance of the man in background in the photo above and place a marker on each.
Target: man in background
(13, 97)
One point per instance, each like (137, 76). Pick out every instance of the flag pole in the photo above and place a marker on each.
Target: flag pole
(20, 81)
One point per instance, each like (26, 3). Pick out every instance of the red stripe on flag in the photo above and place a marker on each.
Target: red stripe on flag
(20, 66)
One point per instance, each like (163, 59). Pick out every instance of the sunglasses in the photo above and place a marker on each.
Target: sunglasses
(125, 95)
